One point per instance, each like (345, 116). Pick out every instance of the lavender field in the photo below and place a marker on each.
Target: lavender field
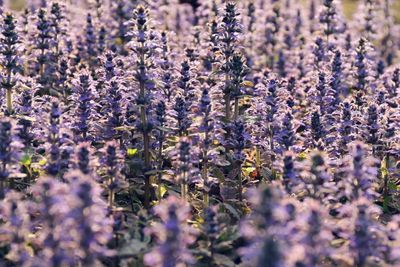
(255, 133)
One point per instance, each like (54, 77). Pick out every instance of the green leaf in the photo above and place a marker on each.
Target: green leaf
(223, 163)
(218, 173)
(163, 190)
(248, 170)
(302, 155)
(31, 119)
(384, 171)
(124, 128)
(386, 201)
(131, 152)
(392, 186)
(164, 129)
(232, 210)
(26, 160)
(247, 84)
(42, 162)
(173, 139)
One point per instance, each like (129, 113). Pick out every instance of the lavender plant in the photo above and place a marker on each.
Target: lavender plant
(167, 133)
(142, 47)
(10, 60)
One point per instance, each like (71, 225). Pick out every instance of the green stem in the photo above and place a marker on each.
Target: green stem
(236, 111)
(146, 138)
(160, 160)
(385, 176)
(146, 160)
(111, 194)
(240, 183)
(184, 188)
(227, 107)
(206, 197)
(9, 101)
(258, 161)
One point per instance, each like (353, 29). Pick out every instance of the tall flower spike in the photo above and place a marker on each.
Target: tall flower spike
(184, 159)
(142, 46)
(184, 100)
(369, 20)
(314, 230)
(63, 79)
(271, 33)
(109, 66)
(83, 158)
(213, 40)
(91, 41)
(346, 134)
(237, 142)
(281, 64)
(6, 153)
(368, 239)
(271, 100)
(181, 116)
(51, 207)
(114, 112)
(238, 70)
(167, 76)
(16, 225)
(173, 235)
(286, 135)
(43, 43)
(206, 127)
(328, 18)
(372, 128)
(83, 98)
(10, 59)
(102, 40)
(161, 119)
(265, 229)
(290, 176)
(111, 160)
(121, 16)
(336, 82)
(395, 83)
(360, 174)
(229, 41)
(317, 130)
(57, 23)
(88, 215)
(25, 123)
(317, 178)
(319, 52)
(361, 72)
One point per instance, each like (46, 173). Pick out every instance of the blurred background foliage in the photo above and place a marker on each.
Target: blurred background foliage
(349, 6)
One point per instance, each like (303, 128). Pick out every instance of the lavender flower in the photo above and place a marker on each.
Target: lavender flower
(113, 178)
(142, 47)
(43, 43)
(114, 112)
(173, 235)
(360, 175)
(9, 49)
(229, 38)
(83, 112)
(184, 160)
(6, 153)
